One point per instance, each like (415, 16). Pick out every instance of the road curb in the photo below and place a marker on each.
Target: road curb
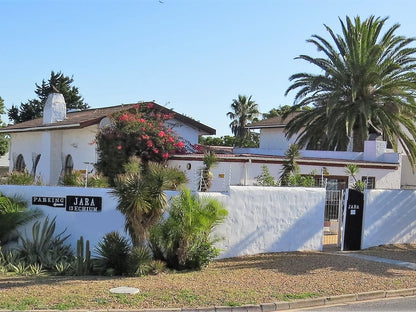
(275, 306)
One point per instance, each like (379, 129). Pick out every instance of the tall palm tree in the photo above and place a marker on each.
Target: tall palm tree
(244, 111)
(367, 81)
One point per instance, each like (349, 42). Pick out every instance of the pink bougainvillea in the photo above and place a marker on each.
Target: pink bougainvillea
(140, 131)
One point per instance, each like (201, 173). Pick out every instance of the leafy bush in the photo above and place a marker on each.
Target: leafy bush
(20, 178)
(184, 240)
(140, 131)
(265, 178)
(14, 213)
(113, 255)
(301, 180)
(45, 247)
(77, 178)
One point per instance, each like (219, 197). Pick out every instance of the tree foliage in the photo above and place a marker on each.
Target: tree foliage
(33, 109)
(275, 112)
(140, 132)
(4, 142)
(244, 111)
(367, 80)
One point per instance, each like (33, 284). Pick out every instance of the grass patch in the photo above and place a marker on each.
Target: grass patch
(128, 299)
(188, 296)
(289, 297)
(227, 282)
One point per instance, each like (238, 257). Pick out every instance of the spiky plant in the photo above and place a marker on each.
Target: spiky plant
(13, 214)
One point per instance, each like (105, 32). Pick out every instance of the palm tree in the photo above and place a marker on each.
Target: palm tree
(244, 111)
(367, 83)
(141, 196)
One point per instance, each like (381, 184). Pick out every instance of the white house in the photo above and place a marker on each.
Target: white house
(61, 141)
(380, 167)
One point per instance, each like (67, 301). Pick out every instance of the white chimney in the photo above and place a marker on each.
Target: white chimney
(55, 108)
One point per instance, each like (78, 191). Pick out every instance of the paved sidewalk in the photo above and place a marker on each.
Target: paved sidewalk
(409, 265)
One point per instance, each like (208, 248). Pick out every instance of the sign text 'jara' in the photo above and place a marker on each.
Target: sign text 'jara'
(83, 203)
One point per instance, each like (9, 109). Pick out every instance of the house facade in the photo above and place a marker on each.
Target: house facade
(380, 167)
(63, 141)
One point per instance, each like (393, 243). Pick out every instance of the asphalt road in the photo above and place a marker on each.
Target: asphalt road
(395, 304)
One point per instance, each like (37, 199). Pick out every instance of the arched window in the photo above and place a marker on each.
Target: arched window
(35, 164)
(69, 164)
(20, 163)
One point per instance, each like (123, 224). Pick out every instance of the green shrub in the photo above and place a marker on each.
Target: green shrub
(20, 178)
(77, 178)
(14, 213)
(184, 240)
(45, 247)
(301, 180)
(113, 255)
(265, 178)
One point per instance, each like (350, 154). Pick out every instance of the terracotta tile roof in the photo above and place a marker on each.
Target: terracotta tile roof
(85, 118)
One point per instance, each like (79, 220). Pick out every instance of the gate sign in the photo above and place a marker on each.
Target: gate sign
(353, 220)
(83, 203)
(49, 201)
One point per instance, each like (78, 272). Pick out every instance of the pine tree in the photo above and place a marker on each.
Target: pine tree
(33, 109)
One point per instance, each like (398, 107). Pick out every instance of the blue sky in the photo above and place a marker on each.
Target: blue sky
(194, 56)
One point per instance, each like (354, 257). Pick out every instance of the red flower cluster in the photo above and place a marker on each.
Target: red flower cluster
(143, 132)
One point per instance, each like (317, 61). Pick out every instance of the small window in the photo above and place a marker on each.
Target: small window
(370, 182)
(20, 163)
(69, 165)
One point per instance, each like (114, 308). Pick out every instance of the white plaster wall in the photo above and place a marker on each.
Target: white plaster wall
(408, 175)
(264, 219)
(184, 131)
(80, 144)
(27, 144)
(275, 139)
(91, 225)
(259, 219)
(245, 173)
(389, 217)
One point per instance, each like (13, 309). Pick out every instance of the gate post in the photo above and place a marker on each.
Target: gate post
(353, 220)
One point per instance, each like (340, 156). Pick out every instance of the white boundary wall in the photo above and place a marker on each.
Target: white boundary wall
(271, 219)
(90, 225)
(389, 217)
(260, 219)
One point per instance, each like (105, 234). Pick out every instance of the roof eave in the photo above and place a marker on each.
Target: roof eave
(55, 127)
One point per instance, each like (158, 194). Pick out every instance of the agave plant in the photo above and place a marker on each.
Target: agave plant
(45, 247)
(113, 254)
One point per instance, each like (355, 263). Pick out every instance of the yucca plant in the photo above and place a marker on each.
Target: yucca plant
(141, 197)
(44, 246)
